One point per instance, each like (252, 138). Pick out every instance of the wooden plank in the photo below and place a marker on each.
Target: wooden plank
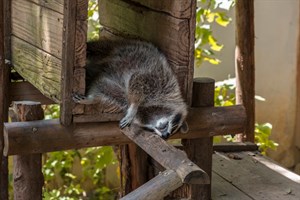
(80, 48)
(56, 5)
(223, 190)
(171, 34)
(28, 177)
(244, 64)
(38, 67)
(252, 177)
(192, 31)
(68, 61)
(37, 25)
(178, 9)
(20, 91)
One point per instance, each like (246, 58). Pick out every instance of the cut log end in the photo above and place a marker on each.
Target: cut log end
(197, 177)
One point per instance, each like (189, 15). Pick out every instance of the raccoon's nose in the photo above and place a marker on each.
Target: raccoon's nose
(165, 135)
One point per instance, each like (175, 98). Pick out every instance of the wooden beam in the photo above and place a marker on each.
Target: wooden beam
(235, 147)
(244, 63)
(27, 169)
(157, 188)
(20, 91)
(167, 155)
(50, 135)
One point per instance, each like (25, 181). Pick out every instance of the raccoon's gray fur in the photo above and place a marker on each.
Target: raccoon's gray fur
(135, 76)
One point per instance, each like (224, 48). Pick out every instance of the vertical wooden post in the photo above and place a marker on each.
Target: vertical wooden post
(27, 169)
(244, 64)
(68, 61)
(297, 124)
(4, 81)
(134, 167)
(199, 150)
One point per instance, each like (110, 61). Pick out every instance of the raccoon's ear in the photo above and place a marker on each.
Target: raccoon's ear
(184, 127)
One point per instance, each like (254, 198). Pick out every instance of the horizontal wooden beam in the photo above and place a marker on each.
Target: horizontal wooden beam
(20, 91)
(235, 147)
(49, 135)
(157, 188)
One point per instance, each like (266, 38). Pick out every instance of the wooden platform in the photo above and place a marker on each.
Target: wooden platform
(251, 176)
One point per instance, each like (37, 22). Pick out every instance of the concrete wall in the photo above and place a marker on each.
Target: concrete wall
(276, 30)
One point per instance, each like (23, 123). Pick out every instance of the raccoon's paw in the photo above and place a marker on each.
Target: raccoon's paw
(81, 99)
(77, 98)
(126, 121)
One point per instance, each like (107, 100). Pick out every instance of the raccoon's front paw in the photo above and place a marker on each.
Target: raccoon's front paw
(81, 99)
(125, 122)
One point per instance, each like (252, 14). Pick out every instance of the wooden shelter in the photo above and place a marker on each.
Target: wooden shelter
(44, 41)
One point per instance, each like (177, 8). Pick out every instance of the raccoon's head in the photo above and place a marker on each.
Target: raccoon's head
(164, 121)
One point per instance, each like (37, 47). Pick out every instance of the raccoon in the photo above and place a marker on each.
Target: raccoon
(135, 76)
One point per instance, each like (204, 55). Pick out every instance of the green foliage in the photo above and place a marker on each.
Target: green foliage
(225, 96)
(210, 12)
(63, 181)
(93, 20)
(262, 137)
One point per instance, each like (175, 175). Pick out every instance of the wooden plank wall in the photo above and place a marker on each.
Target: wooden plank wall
(170, 33)
(168, 24)
(36, 40)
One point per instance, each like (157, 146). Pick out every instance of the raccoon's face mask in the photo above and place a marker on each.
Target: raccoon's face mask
(161, 120)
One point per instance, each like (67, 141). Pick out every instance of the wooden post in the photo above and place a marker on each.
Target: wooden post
(4, 84)
(68, 61)
(244, 64)
(199, 150)
(27, 169)
(134, 166)
(297, 124)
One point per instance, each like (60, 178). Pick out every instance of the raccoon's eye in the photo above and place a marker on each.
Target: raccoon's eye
(177, 119)
(162, 127)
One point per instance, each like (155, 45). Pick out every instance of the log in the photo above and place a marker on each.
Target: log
(50, 135)
(235, 147)
(27, 169)
(167, 155)
(157, 188)
(244, 64)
